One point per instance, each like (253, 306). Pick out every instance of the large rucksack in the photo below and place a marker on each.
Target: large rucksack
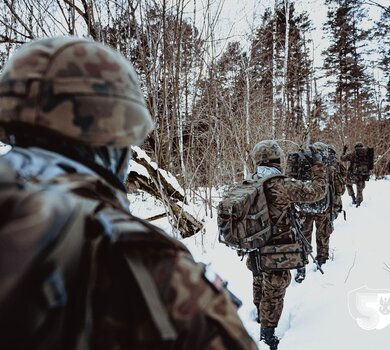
(48, 268)
(244, 224)
(363, 161)
(243, 219)
(298, 167)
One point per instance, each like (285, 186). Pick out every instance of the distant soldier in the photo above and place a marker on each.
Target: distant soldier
(323, 212)
(338, 174)
(361, 162)
(77, 270)
(269, 286)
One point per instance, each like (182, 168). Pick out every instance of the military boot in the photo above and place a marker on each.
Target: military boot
(267, 335)
(321, 261)
(353, 199)
(301, 274)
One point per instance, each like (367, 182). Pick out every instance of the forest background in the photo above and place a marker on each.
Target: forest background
(213, 93)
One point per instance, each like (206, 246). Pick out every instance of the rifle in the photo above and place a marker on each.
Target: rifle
(300, 237)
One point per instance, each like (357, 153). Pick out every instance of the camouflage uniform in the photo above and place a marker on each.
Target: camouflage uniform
(352, 178)
(270, 286)
(324, 220)
(78, 91)
(324, 228)
(337, 178)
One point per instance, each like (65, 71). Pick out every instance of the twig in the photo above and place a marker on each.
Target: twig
(28, 30)
(156, 217)
(374, 3)
(350, 269)
(382, 155)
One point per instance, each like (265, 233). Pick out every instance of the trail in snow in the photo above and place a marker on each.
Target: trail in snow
(317, 312)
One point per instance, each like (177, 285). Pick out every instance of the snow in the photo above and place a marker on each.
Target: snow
(317, 312)
(138, 168)
(4, 148)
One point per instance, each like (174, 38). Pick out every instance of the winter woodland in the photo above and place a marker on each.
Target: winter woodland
(214, 95)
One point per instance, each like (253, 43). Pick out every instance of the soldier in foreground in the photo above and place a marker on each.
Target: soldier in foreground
(269, 286)
(77, 270)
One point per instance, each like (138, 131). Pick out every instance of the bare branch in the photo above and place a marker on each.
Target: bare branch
(28, 30)
(374, 3)
(387, 268)
(8, 40)
(14, 30)
(78, 10)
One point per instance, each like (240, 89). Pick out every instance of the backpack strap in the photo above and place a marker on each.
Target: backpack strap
(260, 214)
(120, 227)
(149, 291)
(127, 231)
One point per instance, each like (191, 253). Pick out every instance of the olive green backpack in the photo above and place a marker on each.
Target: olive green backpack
(244, 224)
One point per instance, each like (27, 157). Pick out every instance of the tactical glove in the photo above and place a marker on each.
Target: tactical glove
(345, 149)
(313, 156)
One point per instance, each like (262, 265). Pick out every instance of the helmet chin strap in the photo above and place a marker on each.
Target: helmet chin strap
(115, 159)
(122, 166)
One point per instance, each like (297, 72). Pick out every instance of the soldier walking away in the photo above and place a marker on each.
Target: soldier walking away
(269, 285)
(361, 162)
(77, 270)
(323, 212)
(338, 174)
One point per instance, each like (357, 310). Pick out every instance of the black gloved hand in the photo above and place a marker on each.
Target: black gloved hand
(313, 156)
(345, 149)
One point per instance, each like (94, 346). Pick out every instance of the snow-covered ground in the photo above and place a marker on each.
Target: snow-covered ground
(321, 313)
(346, 308)
(4, 148)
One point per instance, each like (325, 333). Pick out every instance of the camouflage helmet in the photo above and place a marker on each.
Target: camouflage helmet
(359, 144)
(321, 147)
(332, 148)
(266, 151)
(77, 88)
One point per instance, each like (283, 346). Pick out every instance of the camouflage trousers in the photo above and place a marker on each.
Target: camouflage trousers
(269, 289)
(324, 228)
(359, 190)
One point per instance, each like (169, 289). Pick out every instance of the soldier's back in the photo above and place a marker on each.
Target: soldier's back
(92, 276)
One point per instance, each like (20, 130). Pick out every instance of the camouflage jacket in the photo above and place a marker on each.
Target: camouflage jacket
(284, 191)
(120, 313)
(337, 182)
(350, 157)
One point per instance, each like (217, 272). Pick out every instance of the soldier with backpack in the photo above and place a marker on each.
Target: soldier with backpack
(338, 174)
(361, 162)
(77, 270)
(323, 212)
(271, 261)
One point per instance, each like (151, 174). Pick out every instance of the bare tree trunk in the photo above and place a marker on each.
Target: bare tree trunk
(285, 66)
(274, 63)
(247, 120)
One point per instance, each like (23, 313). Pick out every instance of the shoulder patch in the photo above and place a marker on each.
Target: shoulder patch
(213, 279)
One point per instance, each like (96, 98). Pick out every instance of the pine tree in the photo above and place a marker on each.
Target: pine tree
(344, 65)
(382, 33)
(280, 82)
